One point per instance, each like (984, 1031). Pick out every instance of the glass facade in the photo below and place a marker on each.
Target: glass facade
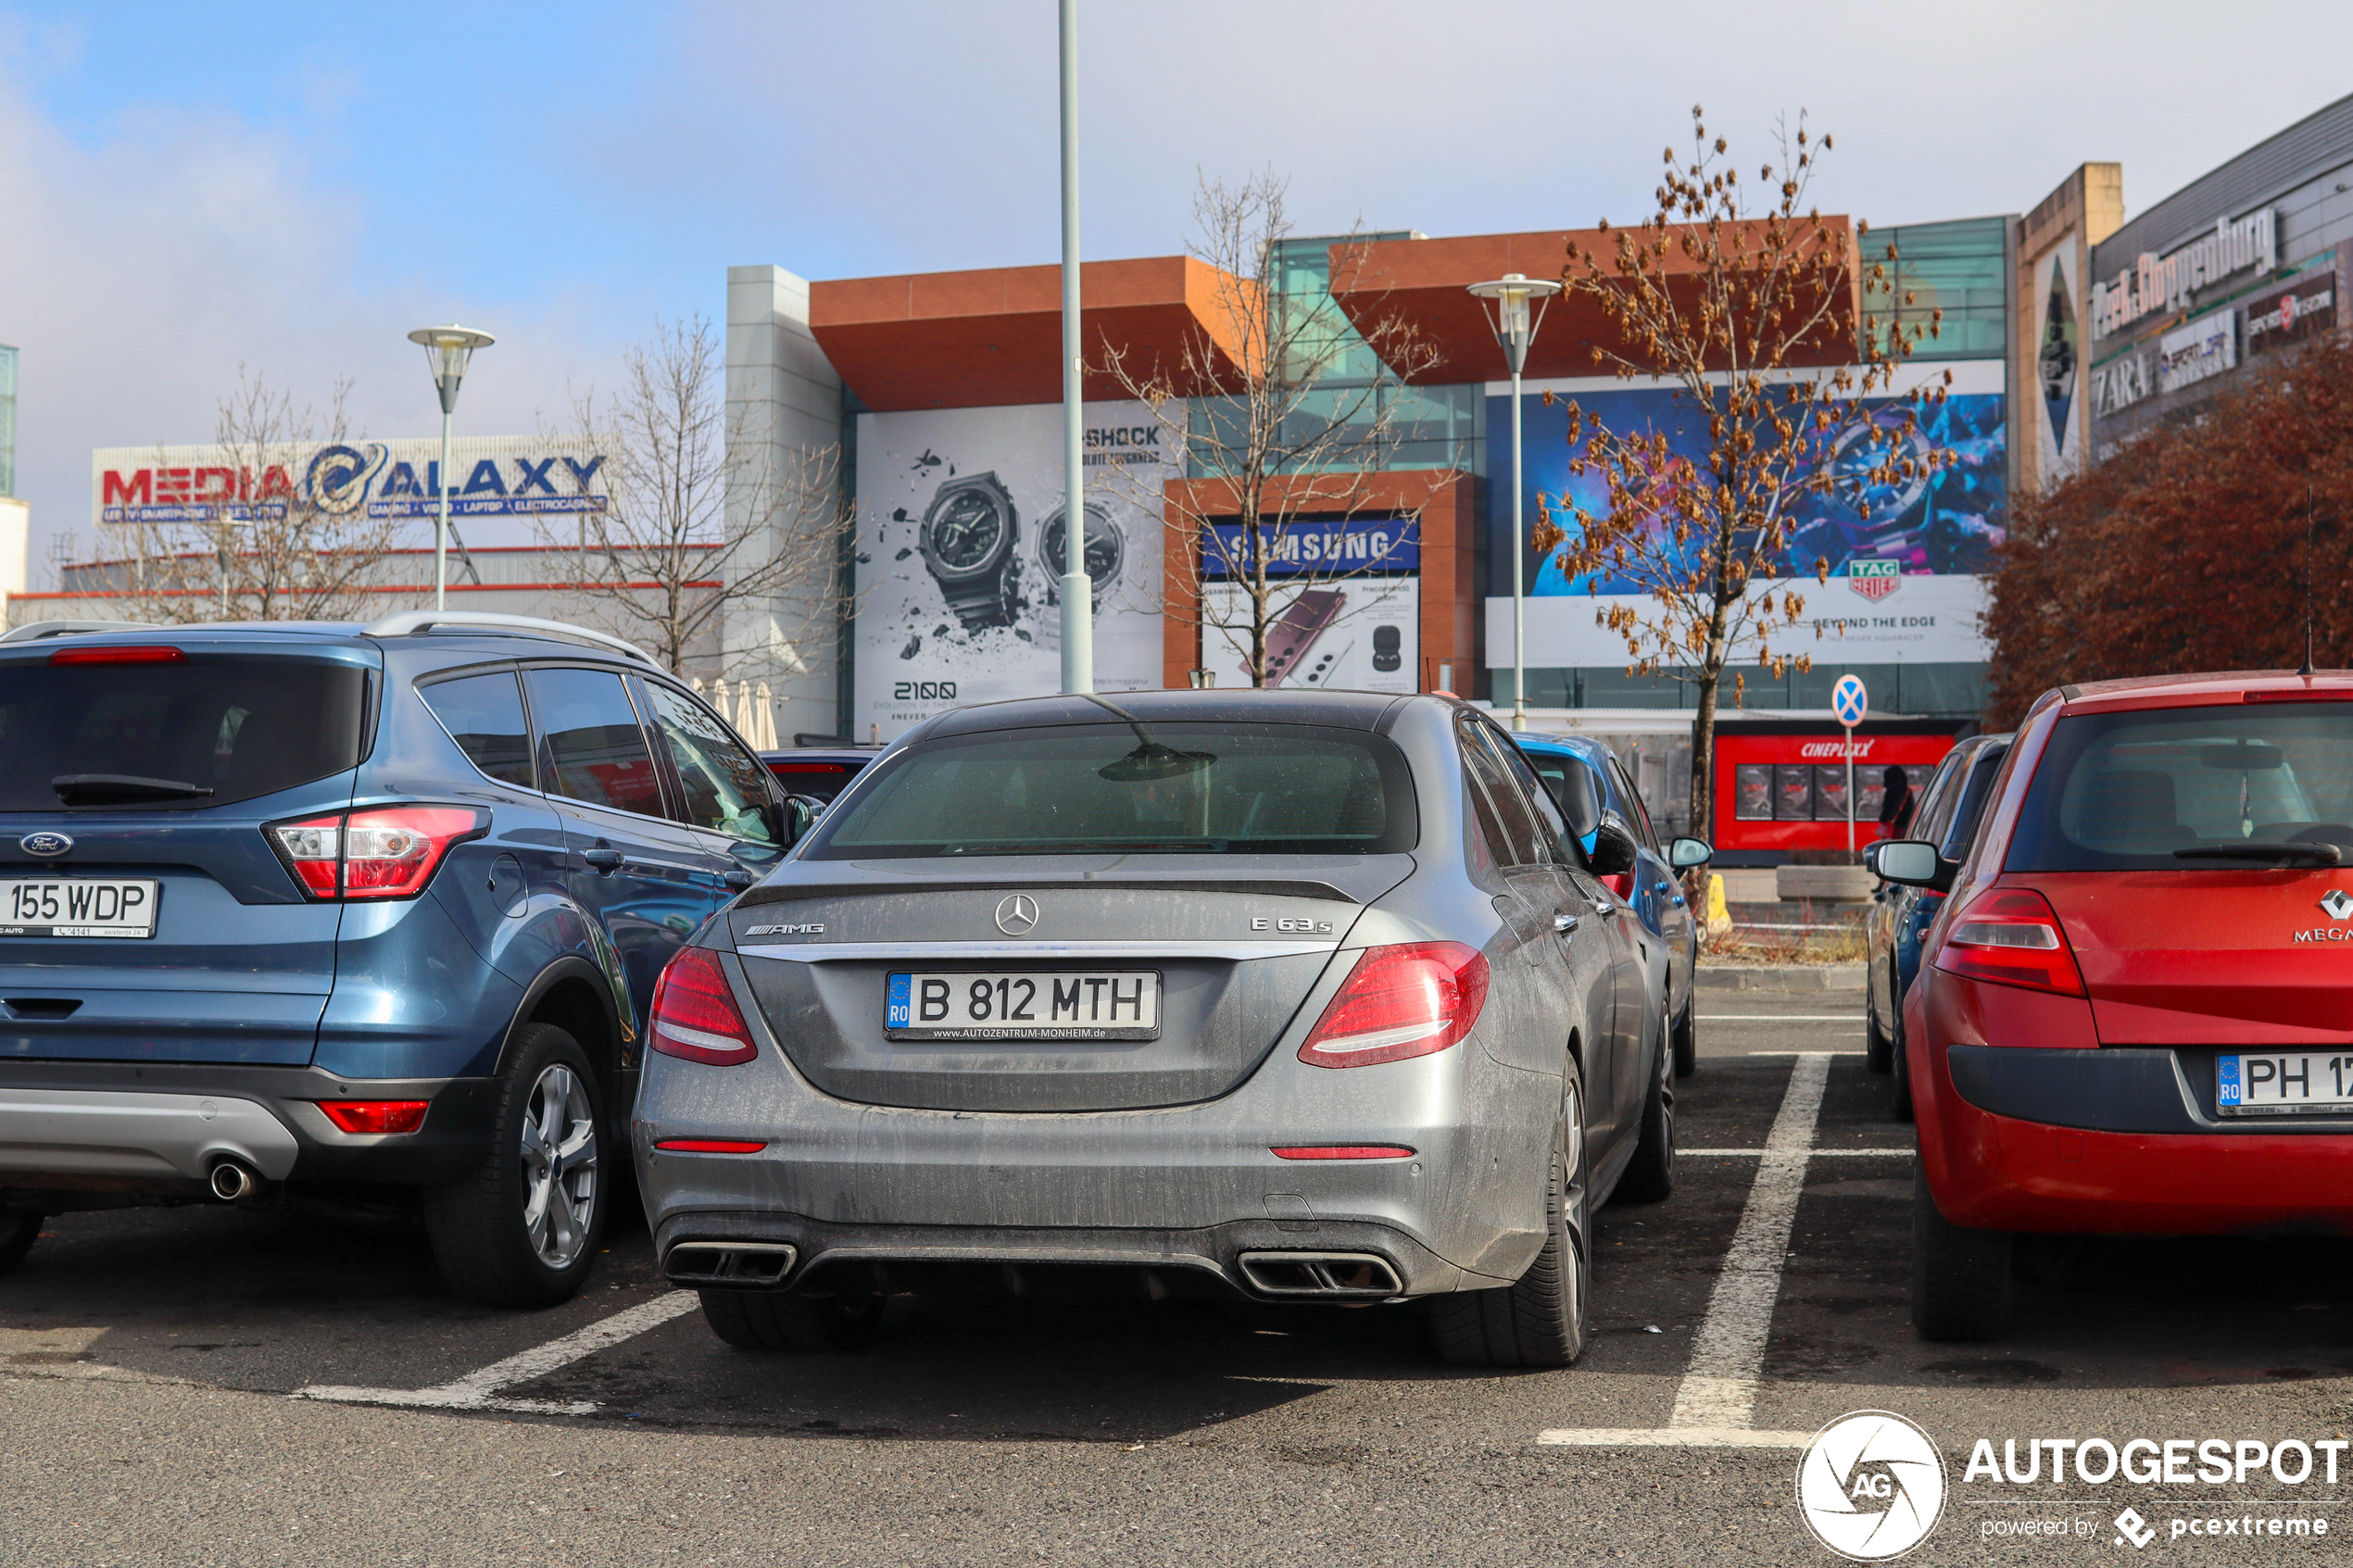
(1961, 267)
(1927, 691)
(7, 420)
(1420, 427)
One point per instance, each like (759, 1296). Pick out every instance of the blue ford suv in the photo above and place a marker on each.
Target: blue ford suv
(323, 909)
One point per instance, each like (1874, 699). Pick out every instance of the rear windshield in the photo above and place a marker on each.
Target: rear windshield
(183, 735)
(819, 780)
(2125, 791)
(1116, 789)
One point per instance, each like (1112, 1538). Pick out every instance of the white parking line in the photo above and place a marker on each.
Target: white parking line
(1817, 1154)
(1716, 1400)
(1777, 1017)
(477, 1389)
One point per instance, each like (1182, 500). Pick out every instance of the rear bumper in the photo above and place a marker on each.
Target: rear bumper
(2116, 1141)
(1005, 1260)
(156, 1129)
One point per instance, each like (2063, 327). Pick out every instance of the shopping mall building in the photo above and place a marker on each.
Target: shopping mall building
(941, 393)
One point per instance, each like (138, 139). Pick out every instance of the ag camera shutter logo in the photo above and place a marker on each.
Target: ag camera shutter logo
(1870, 1485)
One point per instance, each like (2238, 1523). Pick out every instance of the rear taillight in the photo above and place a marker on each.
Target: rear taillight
(1411, 999)
(2011, 936)
(382, 852)
(696, 1018)
(376, 1115)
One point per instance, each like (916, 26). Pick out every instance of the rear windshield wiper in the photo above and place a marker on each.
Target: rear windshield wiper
(83, 789)
(2265, 850)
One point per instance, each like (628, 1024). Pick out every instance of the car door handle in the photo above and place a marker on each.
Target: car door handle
(604, 861)
(1607, 911)
(737, 878)
(1563, 924)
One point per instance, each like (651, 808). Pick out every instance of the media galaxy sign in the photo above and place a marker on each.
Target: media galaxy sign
(492, 481)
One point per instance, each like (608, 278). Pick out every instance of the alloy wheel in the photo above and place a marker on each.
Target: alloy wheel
(558, 1166)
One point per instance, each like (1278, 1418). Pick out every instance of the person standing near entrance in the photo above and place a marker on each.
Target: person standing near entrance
(1896, 805)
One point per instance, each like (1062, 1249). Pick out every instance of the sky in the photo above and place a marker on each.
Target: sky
(288, 188)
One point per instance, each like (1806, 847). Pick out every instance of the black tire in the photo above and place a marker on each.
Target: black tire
(1650, 1176)
(1879, 1045)
(17, 1237)
(1899, 1085)
(1686, 1042)
(1960, 1277)
(751, 1320)
(1544, 1319)
(510, 1232)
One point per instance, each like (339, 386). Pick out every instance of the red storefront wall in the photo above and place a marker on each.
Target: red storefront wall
(1787, 791)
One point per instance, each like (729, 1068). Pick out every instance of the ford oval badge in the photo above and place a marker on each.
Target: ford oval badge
(46, 844)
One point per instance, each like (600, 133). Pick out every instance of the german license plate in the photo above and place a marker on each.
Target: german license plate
(975, 1005)
(2283, 1083)
(77, 907)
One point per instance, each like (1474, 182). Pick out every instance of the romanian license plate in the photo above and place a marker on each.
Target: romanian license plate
(2284, 1083)
(972, 1005)
(77, 907)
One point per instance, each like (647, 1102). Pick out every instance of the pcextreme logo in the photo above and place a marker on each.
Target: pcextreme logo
(1870, 1485)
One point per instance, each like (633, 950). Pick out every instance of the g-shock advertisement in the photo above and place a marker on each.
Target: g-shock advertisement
(960, 544)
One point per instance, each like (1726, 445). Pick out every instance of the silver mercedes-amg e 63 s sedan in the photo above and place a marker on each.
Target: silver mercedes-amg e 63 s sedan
(1289, 996)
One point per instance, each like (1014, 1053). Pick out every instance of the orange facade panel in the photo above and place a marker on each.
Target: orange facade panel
(1424, 284)
(993, 337)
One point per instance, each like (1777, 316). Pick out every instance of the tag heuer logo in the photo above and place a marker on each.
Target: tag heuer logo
(2338, 903)
(1874, 579)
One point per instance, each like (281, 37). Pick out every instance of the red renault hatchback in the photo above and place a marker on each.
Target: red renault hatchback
(2134, 1015)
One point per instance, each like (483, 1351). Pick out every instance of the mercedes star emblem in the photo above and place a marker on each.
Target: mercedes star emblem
(45, 845)
(1017, 914)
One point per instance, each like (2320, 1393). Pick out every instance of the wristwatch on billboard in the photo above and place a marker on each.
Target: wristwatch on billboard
(968, 544)
(1106, 551)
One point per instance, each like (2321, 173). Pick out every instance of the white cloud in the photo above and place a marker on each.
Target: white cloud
(136, 274)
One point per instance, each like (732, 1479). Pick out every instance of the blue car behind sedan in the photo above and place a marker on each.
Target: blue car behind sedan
(1654, 887)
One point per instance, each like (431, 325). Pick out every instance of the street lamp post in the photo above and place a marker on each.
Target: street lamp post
(447, 351)
(1506, 303)
(1077, 589)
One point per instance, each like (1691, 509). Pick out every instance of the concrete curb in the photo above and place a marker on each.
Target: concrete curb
(1781, 977)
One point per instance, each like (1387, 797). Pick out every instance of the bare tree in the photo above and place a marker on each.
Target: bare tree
(701, 523)
(272, 525)
(1739, 308)
(1283, 410)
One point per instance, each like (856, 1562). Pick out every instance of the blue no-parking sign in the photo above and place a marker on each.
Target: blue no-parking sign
(1849, 700)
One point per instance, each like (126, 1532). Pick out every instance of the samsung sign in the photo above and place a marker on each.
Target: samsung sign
(1313, 547)
(2165, 283)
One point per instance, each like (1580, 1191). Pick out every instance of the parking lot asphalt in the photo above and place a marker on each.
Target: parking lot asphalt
(160, 1373)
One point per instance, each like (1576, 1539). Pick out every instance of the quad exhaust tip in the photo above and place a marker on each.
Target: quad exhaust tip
(1366, 1275)
(232, 1179)
(743, 1265)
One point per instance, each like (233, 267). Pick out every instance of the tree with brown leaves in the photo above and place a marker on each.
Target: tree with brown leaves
(1749, 311)
(2201, 546)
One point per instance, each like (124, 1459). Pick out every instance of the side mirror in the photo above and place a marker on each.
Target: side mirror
(789, 818)
(1685, 853)
(1615, 846)
(1915, 863)
(1578, 795)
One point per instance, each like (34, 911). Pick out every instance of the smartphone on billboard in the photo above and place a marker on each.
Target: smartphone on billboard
(1295, 630)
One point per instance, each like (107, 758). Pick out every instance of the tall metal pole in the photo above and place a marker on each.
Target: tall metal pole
(1520, 566)
(441, 528)
(1077, 593)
